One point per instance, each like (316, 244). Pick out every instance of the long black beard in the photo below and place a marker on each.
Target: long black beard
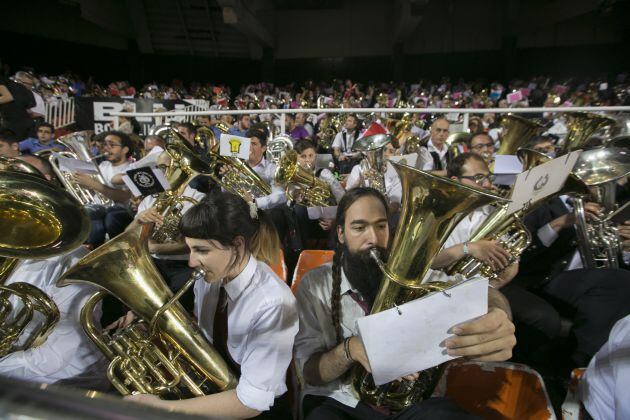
(363, 272)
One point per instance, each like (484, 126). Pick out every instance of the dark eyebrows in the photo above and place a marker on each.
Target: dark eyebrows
(365, 222)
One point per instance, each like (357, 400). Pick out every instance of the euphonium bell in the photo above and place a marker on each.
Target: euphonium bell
(431, 207)
(373, 164)
(580, 128)
(37, 220)
(313, 191)
(174, 356)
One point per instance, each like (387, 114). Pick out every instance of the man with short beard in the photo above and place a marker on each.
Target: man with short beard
(332, 297)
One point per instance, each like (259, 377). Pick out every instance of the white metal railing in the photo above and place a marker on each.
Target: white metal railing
(60, 112)
(464, 111)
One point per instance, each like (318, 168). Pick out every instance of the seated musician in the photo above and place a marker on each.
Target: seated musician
(170, 257)
(434, 154)
(332, 297)
(551, 284)
(114, 219)
(483, 145)
(393, 190)
(471, 169)
(242, 306)
(312, 230)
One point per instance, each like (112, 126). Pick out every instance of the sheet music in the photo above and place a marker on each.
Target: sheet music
(409, 338)
(68, 164)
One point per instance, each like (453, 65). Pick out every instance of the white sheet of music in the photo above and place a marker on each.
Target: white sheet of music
(75, 165)
(408, 339)
(315, 213)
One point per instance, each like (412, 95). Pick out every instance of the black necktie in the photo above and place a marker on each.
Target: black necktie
(220, 331)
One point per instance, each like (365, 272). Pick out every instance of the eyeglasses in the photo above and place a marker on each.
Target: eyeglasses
(483, 146)
(109, 144)
(480, 179)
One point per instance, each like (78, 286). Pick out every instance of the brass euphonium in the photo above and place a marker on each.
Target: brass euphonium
(184, 165)
(580, 128)
(37, 220)
(278, 146)
(312, 190)
(238, 178)
(164, 353)
(458, 143)
(517, 132)
(373, 165)
(597, 238)
(431, 207)
(78, 148)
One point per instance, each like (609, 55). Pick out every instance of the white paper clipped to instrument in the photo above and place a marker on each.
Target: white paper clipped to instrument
(409, 338)
(68, 164)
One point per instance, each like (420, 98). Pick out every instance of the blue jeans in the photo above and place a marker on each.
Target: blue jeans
(110, 221)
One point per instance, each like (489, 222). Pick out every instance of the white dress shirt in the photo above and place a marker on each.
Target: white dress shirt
(108, 171)
(604, 389)
(68, 356)
(426, 158)
(462, 233)
(262, 324)
(148, 202)
(317, 333)
(345, 147)
(266, 170)
(393, 187)
(335, 187)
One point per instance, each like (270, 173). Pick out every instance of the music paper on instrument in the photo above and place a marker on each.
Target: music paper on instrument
(409, 338)
(234, 146)
(541, 181)
(68, 164)
(506, 167)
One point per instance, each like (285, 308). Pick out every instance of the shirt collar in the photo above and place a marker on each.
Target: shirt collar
(238, 284)
(262, 163)
(431, 145)
(345, 285)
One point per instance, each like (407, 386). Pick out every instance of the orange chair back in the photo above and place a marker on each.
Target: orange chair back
(496, 390)
(308, 260)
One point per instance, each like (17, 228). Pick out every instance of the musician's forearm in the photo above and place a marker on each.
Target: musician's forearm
(114, 194)
(448, 256)
(325, 367)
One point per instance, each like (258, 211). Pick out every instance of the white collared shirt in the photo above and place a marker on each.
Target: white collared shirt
(335, 187)
(345, 147)
(427, 159)
(393, 187)
(148, 202)
(604, 387)
(462, 233)
(262, 324)
(68, 356)
(317, 333)
(267, 170)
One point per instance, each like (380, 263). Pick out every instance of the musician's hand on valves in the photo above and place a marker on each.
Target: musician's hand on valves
(122, 322)
(624, 234)
(487, 338)
(247, 196)
(593, 210)
(150, 216)
(489, 252)
(85, 180)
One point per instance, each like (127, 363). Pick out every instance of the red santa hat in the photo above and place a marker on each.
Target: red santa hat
(374, 128)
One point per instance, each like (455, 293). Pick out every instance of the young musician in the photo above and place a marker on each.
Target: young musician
(226, 236)
(109, 220)
(332, 297)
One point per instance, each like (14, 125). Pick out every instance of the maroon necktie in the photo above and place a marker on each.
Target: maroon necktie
(220, 332)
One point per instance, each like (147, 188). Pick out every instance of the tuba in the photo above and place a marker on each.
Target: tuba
(598, 241)
(431, 207)
(517, 132)
(373, 165)
(37, 220)
(314, 191)
(278, 146)
(580, 127)
(185, 165)
(78, 148)
(458, 143)
(164, 353)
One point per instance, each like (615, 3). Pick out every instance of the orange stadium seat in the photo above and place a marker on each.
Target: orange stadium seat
(496, 390)
(308, 260)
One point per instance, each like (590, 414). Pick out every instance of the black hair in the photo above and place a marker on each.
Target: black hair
(188, 126)
(45, 124)
(302, 145)
(125, 140)
(538, 140)
(258, 133)
(470, 138)
(223, 217)
(8, 136)
(346, 201)
(456, 166)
